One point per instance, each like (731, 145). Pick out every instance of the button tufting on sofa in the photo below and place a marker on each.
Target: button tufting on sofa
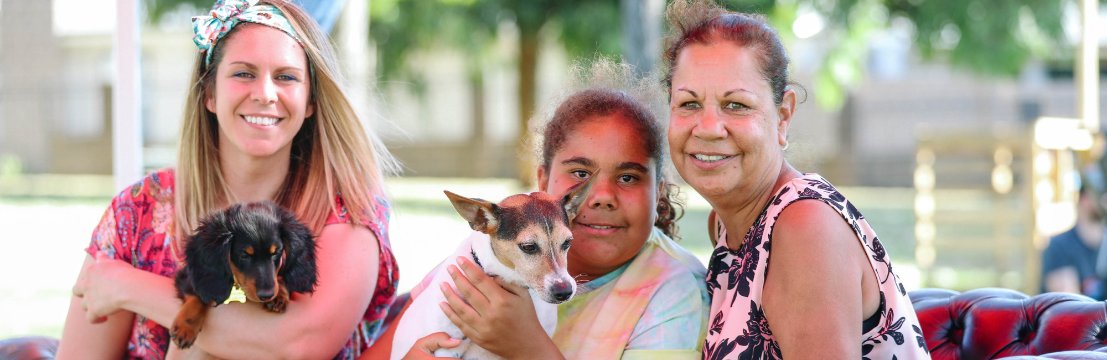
(994, 323)
(28, 348)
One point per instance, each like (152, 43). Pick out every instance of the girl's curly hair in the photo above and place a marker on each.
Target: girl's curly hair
(610, 87)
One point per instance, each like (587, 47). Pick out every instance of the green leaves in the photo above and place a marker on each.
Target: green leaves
(988, 37)
(155, 9)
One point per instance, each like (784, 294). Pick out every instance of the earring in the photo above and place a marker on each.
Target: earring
(785, 147)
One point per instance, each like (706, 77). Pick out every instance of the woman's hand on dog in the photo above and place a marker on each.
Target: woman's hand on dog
(497, 316)
(425, 347)
(100, 287)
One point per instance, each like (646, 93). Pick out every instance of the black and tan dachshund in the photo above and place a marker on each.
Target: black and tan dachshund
(260, 248)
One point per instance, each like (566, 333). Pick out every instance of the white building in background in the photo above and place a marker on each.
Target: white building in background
(56, 78)
(55, 85)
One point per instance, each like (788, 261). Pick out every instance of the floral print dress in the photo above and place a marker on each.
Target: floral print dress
(139, 228)
(737, 326)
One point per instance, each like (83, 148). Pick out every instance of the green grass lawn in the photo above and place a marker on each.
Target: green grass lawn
(44, 238)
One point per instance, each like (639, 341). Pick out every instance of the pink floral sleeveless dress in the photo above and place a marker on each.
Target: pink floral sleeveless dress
(139, 228)
(737, 327)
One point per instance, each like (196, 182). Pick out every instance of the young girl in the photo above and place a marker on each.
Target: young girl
(265, 119)
(641, 294)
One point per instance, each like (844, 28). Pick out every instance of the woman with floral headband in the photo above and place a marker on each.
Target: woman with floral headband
(266, 119)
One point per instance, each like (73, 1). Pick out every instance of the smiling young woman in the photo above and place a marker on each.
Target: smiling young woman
(265, 119)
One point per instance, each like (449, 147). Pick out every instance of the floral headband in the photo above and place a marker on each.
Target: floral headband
(226, 14)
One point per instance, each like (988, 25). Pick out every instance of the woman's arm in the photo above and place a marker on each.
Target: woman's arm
(314, 326)
(499, 317)
(1065, 279)
(813, 294)
(81, 339)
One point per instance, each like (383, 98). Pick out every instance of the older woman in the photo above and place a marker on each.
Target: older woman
(797, 272)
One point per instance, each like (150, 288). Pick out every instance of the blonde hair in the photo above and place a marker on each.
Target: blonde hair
(332, 155)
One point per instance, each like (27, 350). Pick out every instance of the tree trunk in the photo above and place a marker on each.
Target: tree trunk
(528, 66)
(641, 33)
(477, 140)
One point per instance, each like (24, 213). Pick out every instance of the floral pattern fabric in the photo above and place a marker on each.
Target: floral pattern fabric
(738, 328)
(139, 226)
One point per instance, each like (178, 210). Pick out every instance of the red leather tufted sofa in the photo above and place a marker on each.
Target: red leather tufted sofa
(992, 323)
(977, 324)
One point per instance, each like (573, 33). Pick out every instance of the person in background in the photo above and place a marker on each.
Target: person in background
(641, 295)
(266, 119)
(797, 272)
(1069, 261)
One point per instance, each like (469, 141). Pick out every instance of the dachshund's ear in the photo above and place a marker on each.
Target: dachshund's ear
(208, 261)
(298, 271)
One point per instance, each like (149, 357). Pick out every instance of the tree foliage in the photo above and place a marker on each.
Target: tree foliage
(584, 27)
(400, 27)
(156, 9)
(993, 38)
(989, 37)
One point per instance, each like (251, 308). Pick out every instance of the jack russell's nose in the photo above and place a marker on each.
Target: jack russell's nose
(562, 290)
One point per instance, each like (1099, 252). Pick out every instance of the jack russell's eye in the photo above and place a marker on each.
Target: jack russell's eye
(529, 248)
(565, 245)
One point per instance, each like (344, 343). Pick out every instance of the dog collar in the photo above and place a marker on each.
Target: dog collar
(475, 259)
(236, 295)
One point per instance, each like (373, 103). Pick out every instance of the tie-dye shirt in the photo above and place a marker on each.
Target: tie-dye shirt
(653, 307)
(139, 228)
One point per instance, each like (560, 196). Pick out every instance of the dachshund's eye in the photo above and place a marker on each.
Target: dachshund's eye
(529, 248)
(244, 256)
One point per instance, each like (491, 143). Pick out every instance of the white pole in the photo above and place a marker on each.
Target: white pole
(126, 99)
(1088, 66)
(353, 44)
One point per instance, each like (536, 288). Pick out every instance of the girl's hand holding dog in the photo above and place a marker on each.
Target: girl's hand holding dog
(497, 316)
(425, 347)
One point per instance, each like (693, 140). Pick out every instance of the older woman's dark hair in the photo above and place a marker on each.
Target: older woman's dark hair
(704, 22)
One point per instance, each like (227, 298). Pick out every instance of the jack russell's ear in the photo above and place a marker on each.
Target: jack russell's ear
(481, 214)
(575, 198)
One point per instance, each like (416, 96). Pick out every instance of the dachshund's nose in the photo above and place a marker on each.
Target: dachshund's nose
(265, 294)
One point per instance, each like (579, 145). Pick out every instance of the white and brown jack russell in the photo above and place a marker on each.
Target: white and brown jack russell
(523, 240)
